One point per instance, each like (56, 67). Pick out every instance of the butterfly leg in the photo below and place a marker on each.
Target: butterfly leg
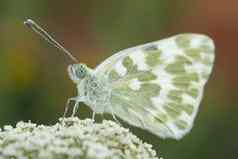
(67, 105)
(93, 116)
(76, 106)
(114, 117)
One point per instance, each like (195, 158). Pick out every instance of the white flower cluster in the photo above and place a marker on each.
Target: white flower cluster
(72, 138)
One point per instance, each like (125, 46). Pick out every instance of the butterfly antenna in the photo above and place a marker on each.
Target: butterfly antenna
(40, 31)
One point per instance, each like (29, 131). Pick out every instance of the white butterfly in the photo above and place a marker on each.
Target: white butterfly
(157, 86)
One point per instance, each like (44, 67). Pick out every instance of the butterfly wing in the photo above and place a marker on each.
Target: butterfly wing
(158, 86)
(106, 66)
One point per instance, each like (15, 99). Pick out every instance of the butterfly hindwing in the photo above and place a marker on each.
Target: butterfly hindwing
(158, 86)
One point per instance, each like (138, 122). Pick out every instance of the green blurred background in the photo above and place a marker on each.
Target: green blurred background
(34, 83)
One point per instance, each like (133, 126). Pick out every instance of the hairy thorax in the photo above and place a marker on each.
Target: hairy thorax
(95, 92)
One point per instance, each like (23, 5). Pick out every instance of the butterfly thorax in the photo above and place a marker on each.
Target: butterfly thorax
(92, 90)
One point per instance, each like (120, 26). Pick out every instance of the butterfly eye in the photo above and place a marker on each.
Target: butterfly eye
(80, 71)
(77, 72)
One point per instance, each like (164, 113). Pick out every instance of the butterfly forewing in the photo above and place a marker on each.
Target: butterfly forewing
(158, 86)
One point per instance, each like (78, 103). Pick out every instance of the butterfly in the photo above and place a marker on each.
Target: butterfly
(157, 86)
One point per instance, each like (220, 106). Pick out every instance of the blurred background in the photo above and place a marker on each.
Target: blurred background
(34, 83)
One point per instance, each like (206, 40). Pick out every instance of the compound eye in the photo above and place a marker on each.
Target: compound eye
(80, 72)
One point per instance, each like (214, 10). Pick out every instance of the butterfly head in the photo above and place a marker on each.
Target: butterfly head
(77, 72)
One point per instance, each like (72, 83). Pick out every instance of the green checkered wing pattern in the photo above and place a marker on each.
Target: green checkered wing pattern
(159, 86)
